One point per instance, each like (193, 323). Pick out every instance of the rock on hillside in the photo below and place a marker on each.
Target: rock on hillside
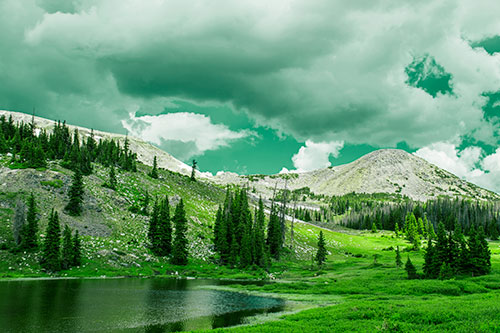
(385, 170)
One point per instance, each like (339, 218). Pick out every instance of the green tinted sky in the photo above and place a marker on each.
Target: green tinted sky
(254, 86)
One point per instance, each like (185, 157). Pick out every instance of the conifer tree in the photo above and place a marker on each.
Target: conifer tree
(446, 271)
(259, 237)
(179, 249)
(410, 269)
(51, 247)
(74, 206)
(193, 170)
(374, 228)
(218, 229)
(153, 227)
(30, 228)
(399, 262)
(154, 171)
(164, 229)
(396, 229)
(431, 267)
(112, 183)
(321, 253)
(77, 251)
(67, 248)
(274, 235)
(246, 249)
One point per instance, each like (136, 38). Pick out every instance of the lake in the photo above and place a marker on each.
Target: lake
(124, 305)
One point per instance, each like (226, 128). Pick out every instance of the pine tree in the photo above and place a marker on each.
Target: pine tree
(431, 270)
(430, 228)
(259, 237)
(274, 235)
(179, 249)
(51, 247)
(410, 269)
(321, 253)
(442, 249)
(153, 227)
(193, 170)
(164, 229)
(154, 172)
(218, 229)
(374, 228)
(77, 252)
(112, 183)
(67, 248)
(399, 262)
(74, 206)
(480, 255)
(30, 228)
(246, 249)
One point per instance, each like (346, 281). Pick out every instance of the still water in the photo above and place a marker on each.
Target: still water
(124, 305)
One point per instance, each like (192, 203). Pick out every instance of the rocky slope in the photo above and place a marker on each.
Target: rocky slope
(385, 170)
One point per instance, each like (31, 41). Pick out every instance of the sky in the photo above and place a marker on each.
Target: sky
(266, 86)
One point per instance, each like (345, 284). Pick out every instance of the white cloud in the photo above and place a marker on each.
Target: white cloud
(315, 155)
(343, 62)
(469, 164)
(186, 133)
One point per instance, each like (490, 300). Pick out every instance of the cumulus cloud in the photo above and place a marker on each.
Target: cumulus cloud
(183, 134)
(315, 155)
(321, 70)
(471, 163)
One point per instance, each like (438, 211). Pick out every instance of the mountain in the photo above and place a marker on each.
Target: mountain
(145, 151)
(381, 171)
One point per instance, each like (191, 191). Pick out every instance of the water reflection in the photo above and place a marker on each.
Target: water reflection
(127, 305)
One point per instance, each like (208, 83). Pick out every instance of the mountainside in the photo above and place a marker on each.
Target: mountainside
(144, 150)
(382, 171)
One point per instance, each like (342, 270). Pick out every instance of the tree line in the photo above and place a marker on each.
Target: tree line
(452, 253)
(32, 148)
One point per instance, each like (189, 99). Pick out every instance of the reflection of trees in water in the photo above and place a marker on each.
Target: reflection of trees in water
(58, 304)
(156, 306)
(17, 298)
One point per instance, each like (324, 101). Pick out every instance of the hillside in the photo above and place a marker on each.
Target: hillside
(382, 171)
(144, 150)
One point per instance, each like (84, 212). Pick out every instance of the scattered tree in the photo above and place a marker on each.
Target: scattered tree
(74, 206)
(321, 253)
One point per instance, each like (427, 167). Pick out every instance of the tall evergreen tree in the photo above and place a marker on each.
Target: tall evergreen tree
(179, 249)
(410, 269)
(259, 237)
(193, 170)
(67, 248)
(154, 171)
(274, 235)
(164, 229)
(399, 262)
(431, 266)
(74, 206)
(51, 246)
(77, 251)
(30, 228)
(112, 183)
(321, 253)
(153, 227)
